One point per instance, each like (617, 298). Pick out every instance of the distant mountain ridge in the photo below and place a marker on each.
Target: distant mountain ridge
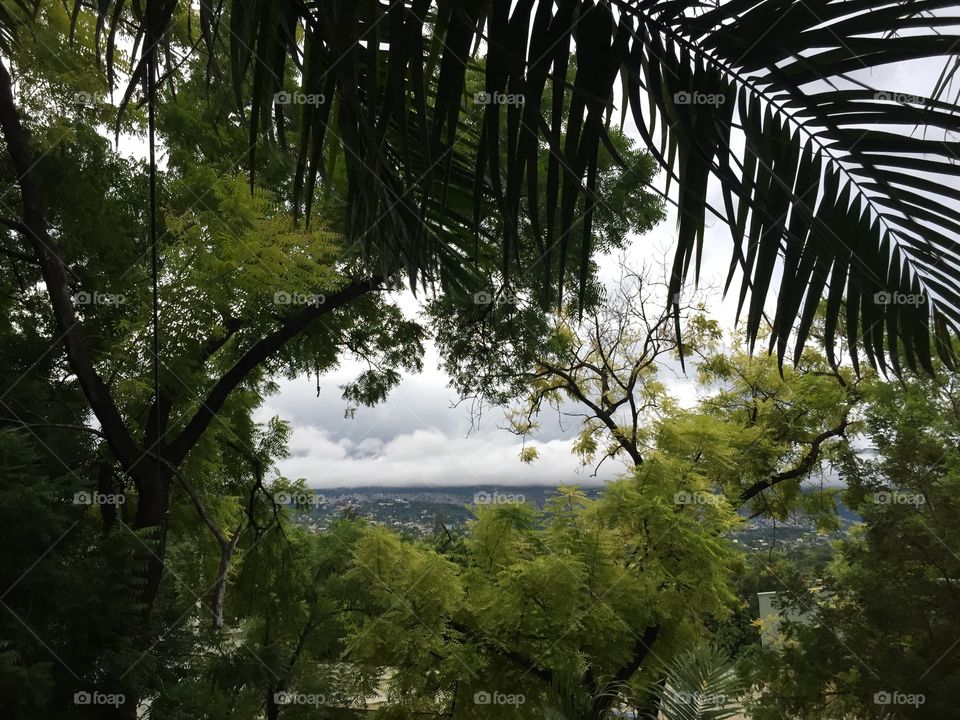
(422, 510)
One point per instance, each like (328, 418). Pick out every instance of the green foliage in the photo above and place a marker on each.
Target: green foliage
(229, 260)
(69, 598)
(881, 644)
(529, 597)
(572, 609)
(756, 433)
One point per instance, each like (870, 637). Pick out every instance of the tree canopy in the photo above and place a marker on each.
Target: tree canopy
(386, 89)
(296, 166)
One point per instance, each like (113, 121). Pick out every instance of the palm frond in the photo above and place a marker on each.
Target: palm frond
(13, 15)
(700, 684)
(842, 191)
(565, 698)
(852, 187)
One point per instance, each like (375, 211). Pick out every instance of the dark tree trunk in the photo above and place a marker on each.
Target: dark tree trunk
(273, 709)
(605, 697)
(153, 487)
(105, 486)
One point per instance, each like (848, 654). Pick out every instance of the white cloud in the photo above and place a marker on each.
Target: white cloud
(431, 457)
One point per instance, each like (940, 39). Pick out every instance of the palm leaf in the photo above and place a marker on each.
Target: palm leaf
(842, 191)
(700, 684)
(822, 183)
(565, 698)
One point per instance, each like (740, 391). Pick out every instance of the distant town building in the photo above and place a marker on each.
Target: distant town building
(774, 609)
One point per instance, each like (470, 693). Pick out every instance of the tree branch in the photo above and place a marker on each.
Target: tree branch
(15, 422)
(526, 663)
(600, 413)
(54, 273)
(802, 468)
(258, 353)
(201, 509)
(603, 700)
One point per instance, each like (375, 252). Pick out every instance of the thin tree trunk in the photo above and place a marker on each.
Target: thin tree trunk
(105, 486)
(218, 596)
